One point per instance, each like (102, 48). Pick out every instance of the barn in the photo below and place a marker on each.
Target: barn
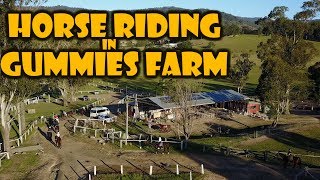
(229, 99)
(162, 106)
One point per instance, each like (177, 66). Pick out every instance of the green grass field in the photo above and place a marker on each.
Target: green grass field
(236, 45)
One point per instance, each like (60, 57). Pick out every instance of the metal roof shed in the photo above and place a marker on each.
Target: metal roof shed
(165, 102)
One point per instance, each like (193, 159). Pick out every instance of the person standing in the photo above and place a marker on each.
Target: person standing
(58, 140)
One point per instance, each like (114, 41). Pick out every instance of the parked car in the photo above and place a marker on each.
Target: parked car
(98, 111)
(106, 118)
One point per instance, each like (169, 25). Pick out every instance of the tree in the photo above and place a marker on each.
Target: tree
(185, 45)
(181, 92)
(231, 29)
(67, 87)
(284, 57)
(278, 12)
(5, 106)
(11, 91)
(314, 75)
(210, 45)
(310, 10)
(286, 60)
(240, 71)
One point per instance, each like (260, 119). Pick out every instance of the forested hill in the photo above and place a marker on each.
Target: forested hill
(226, 18)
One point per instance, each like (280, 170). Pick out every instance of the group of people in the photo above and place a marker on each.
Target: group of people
(53, 127)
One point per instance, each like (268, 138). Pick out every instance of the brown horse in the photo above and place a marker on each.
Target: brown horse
(58, 142)
(287, 159)
(162, 148)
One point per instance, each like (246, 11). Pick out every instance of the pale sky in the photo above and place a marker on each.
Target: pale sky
(245, 8)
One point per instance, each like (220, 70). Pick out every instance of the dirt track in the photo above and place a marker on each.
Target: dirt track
(78, 156)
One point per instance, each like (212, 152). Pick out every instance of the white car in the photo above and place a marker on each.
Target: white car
(106, 118)
(98, 111)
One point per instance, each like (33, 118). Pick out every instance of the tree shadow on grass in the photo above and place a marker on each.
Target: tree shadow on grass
(297, 141)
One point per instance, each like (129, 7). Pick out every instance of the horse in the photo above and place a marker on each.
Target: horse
(56, 128)
(58, 141)
(162, 147)
(296, 161)
(49, 135)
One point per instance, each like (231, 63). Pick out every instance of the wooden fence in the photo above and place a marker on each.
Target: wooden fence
(98, 102)
(153, 171)
(4, 155)
(19, 141)
(262, 155)
(94, 91)
(111, 133)
(151, 139)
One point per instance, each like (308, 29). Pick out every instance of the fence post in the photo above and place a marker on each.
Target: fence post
(228, 151)
(95, 133)
(265, 156)
(120, 143)
(94, 170)
(202, 169)
(121, 170)
(190, 175)
(181, 145)
(177, 167)
(140, 136)
(150, 170)
(89, 176)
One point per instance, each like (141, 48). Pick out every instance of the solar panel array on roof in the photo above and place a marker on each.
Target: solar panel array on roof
(225, 96)
(165, 102)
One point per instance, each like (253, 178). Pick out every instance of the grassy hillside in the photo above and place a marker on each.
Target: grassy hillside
(236, 45)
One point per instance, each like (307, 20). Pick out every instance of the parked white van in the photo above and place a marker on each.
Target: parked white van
(99, 111)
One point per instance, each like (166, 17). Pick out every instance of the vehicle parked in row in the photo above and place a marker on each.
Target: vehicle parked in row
(99, 111)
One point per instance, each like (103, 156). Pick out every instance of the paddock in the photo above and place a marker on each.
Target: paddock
(92, 125)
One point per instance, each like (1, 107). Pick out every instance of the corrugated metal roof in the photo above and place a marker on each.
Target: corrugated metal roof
(165, 102)
(205, 98)
(225, 96)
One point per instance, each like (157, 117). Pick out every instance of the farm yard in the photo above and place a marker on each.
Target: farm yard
(228, 144)
(235, 96)
(215, 131)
